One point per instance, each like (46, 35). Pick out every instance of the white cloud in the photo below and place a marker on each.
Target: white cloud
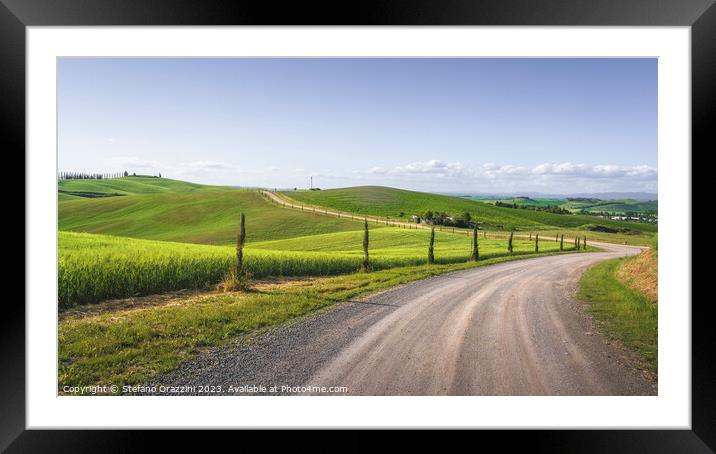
(596, 171)
(434, 167)
(493, 171)
(545, 177)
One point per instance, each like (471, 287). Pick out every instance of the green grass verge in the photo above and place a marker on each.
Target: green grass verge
(131, 346)
(621, 313)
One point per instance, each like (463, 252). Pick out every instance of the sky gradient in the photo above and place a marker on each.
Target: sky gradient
(439, 125)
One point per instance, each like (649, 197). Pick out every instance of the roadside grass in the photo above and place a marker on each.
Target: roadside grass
(621, 313)
(93, 268)
(130, 346)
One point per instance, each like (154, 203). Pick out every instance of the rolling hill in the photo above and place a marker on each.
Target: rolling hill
(171, 210)
(131, 186)
(384, 201)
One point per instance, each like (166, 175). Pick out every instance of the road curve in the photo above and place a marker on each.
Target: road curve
(507, 329)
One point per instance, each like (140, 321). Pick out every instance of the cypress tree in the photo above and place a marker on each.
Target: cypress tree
(240, 240)
(366, 262)
(537, 243)
(509, 243)
(584, 242)
(431, 255)
(475, 251)
(561, 242)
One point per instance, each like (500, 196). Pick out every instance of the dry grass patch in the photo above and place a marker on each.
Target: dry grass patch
(641, 273)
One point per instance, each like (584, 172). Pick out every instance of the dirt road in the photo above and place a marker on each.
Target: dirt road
(506, 329)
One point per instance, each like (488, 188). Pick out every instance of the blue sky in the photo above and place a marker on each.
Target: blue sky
(443, 125)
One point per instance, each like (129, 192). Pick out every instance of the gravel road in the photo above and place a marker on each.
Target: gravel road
(506, 329)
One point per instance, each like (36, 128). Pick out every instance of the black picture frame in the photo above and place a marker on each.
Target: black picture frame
(700, 15)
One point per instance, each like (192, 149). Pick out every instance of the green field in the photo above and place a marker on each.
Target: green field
(383, 201)
(170, 210)
(94, 267)
(521, 201)
(141, 235)
(614, 206)
(620, 206)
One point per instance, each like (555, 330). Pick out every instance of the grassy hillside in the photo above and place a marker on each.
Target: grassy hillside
(161, 209)
(383, 201)
(131, 185)
(63, 197)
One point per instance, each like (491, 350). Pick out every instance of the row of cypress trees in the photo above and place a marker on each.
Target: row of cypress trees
(239, 278)
(92, 176)
(475, 251)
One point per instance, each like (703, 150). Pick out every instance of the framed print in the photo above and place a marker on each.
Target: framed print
(410, 218)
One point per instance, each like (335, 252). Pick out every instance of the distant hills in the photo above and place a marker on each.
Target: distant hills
(399, 203)
(172, 210)
(641, 196)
